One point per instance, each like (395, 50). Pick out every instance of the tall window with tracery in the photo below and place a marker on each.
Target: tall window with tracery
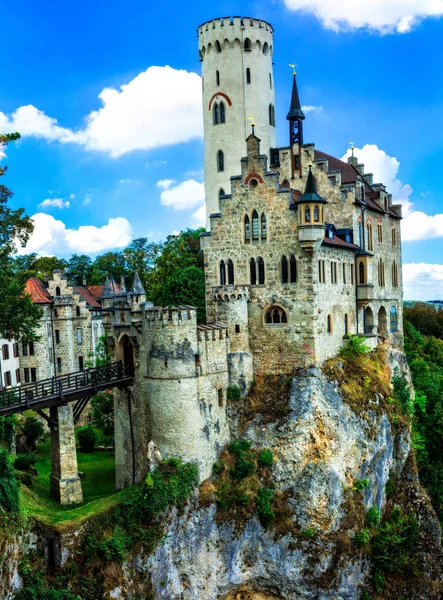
(370, 238)
(316, 214)
(222, 273)
(264, 230)
(220, 161)
(276, 315)
(255, 226)
(261, 270)
(222, 113)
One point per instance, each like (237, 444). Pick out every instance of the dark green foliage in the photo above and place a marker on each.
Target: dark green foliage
(373, 516)
(31, 430)
(7, 430)
(308, 533)
(87, 438)
(360, 484)
(245, 464)
(264, 509)
(265, 458)
(233, 393)
(9, 486)
(25, 462)
(402, 394)
(362, 538)
(102, 414)
(39, 593)
(354, 347)
(218, 467)
(229, 495)
(114, 548)
(239, 447)
(365, 595)
(101, 356)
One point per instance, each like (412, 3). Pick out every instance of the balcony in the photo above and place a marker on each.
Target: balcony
(365, 293)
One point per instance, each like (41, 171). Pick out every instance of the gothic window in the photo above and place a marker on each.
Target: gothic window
(220, 161)
(380, 232)
(222, 113)
(247, 45)
(217, 47)
(57, 291)
(321, 271)
(307, 214)
(248, 75)
(276, 315)
(247, 229)
(230, 272)
(216, 114)
(333, 272)
(330, 326)
(361, 273)
(255, 226)
(316, 214)
(265, 48)
(292, 270)
(264, 231)
(393, 237)
(284, 270)
(393, 319)
(222, 273)
(253, 271)
(261, 271)
(217, 77)
(370, 238)
(360, 235)
(381, 273)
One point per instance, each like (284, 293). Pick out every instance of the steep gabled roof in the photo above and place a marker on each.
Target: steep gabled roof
(87, 295)
(96, 290)
(39, 294)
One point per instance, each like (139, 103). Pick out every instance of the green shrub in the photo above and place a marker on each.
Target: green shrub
(378, 581)
(238, 447)
(360, 484)
(362, 538)
(9, 486)
(25, 462)
(308, 533)
(233, 392)
(218, 467)
(229, 495)
(245, 464)
(87, 438)
(365, 595)
(25, 478)
(402, 393)
(373, 516)
(102, 414)
(32, 430)
(114, 548)
(265, 458)
(355, 346)
(38, 593)
(264, 509)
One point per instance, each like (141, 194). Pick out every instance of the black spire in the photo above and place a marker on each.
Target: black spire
(310, 194)
(295, 116)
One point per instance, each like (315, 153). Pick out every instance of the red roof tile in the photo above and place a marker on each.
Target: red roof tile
(39, 294)
(96, 290)
(348, 173)
(87, 295)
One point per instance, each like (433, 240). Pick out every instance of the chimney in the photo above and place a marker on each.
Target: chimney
(84, 280)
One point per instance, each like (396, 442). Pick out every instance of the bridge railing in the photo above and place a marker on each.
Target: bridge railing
(88, 379)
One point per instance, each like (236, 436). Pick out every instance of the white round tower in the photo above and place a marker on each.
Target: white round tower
(238, 82)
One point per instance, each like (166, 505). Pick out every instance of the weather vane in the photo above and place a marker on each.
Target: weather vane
(352, 148)
(251, 118)
(293, 66)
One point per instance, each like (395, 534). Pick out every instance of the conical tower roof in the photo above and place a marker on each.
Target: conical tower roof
(310, 194)
(295, 111)
(137, 286)
(110, 289)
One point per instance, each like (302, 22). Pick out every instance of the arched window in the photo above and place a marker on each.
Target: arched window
(284, 270)
(329, 324)
(247, 45)
(57, 291)
(264, 230)
(247, 229)
(217, 47)
(230, 272)
(217, 77)
(361, 273)
(346, 324)
(316, 214)
(292, 270)
(370, 237)
(248, 75)
(285, 184)
(307, 214)
(255, 226)
(275, 315)
(381, 273)
(265, 48)
(216, 114)
(220, 161)
(222, 113)
(393, 319)
(271, 115)
(253, 271)
(222, 273)
(77, 311)
(360, 235)
(261, 271)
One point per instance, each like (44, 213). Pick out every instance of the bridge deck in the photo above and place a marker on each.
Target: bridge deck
(57, 391)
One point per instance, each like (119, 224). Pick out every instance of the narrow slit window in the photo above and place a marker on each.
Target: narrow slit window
(217, 77)
(284, 270)
(248, 75)
(220, 161)
(222, 273)
(230, 272)
(253, 271)
(261, 271)
(293, 270)
(222, 113)
(264, 231)
(247, 229)
(216, 114)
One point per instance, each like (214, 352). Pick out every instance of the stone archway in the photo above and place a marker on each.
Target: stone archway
(369, 321)
(382, 326)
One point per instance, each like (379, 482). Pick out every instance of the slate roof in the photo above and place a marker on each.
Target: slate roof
(339, 243)
(39, 294)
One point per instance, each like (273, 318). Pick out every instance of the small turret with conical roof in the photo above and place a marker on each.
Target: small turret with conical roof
(295, 115)
(311, 220)
(137, 293)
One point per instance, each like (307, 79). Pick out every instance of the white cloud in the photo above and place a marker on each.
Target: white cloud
(164, 184)
(87, 200)
(134, 181)
(71, 196)
(51, 236)
(159, 107)
(54, 203)
(416, 224)
(382, 16)
(422, 281)
(186, 194)
(198, 219)
(311, 109)
(2, 152)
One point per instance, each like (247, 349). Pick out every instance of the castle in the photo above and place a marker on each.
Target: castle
(301, 250)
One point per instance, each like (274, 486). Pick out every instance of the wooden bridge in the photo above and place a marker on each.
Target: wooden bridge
(76, 387)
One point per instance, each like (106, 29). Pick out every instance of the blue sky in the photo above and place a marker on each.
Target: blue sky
(371, 69)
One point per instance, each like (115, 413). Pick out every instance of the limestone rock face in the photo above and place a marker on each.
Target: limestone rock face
(320, 449)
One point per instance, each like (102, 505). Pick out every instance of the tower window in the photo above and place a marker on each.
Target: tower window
(57, 291)
(222, 113)
(217, 77)
(255, 226)
(248, 75)
(361, 273)
(264, 231)
(217, 47)
(270, 81)
(316, 214)
(276, 315)
(330, 326)
(393, 319)
(261, 271)
(292, 270)
(247, 229)
(230, 272)
(57, 336)
(222, 273)
(237, 329)
(284, 270)
(307, 214)
(271, 115)
(247, 45)
(77, 311)
(220, 161)
(265, 48)
(253, 271)
(321, 271)
(346, 324)
(216, 114)
(370, 237)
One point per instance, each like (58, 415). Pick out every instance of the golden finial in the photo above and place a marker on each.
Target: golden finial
(309, 163)
(293, 66)
(252, 120)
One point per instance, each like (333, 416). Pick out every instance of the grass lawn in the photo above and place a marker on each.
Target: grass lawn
(98, 488)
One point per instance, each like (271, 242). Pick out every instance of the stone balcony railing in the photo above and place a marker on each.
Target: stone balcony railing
(365, 293)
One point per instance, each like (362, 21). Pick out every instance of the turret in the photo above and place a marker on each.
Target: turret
(310, 206)
(236, 57)
(295, 116)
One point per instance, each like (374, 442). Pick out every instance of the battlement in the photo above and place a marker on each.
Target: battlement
(227, 30)
(170, 315)
(229, 293)
(212, 331)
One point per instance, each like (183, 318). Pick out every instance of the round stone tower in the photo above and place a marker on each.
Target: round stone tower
(238, 83)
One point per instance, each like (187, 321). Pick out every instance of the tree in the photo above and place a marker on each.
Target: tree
(111, 263)
(78, 267)
(18, 315)
(140, 256)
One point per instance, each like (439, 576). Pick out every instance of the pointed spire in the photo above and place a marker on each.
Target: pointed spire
(123, 284)
(137, 286)
(311, 194)
(295, 112)
(110, 289)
